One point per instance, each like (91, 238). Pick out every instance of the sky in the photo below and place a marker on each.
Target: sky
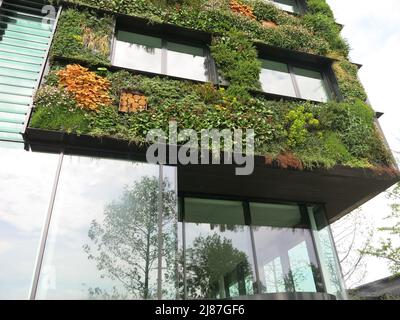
(373, 30)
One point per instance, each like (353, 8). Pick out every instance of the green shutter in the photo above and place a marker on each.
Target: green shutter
(24, 40)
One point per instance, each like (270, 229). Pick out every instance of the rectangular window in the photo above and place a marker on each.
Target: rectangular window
(158, 55)
(311, 84)
(284, 248)
(288, 5)
(103, 239)
(219, 259)
(275, 78)
(137, 51)
(287, 80)
(239, 248)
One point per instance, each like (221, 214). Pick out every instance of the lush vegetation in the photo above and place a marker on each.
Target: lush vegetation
(304, 133)
(318, 135)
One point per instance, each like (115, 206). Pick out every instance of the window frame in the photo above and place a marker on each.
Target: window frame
(295, 59)
(167, 33)
(301, 5)
(305, 221)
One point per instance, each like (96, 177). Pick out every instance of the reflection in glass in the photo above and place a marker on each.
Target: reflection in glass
(327, 253)
(186, 61)
(138, 51)
(311, 85)
(26, 181)
(145, 53)
(276, 79)
(284, 248)
(218, 249)
(287, 5)
(103, 237)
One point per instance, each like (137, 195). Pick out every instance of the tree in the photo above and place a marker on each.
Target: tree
(353, 234)
(213, 264)
(125, 244)
(388, 248)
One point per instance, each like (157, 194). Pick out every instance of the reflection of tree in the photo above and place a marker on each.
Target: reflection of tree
(216, 269)
(125, 244)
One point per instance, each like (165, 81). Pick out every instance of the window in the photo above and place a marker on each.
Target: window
(158, 55)
(235, 248)
(284, 248)
(288, 5)
(219, 258)
(103, 237)
(288, 80)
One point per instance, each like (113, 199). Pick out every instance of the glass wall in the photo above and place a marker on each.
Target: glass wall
(113, 233)
(325, 246)
(285, 252)
(104, 236)
(26, 182)
(219, 259)
(239, 248)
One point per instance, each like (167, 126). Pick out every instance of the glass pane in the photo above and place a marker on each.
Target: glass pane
(103, 237)
(187, 62)
(303, 277)
(327, 253)
(137, 51)
(219, 260)
(284, 248)
(170, 280)
(26, 181)
(287, 5)
(275, 78)
(311, 85)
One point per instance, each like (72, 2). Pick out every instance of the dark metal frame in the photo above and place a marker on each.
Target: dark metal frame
(178, 35)
(327, 75)
(311, 247)
(301, 5)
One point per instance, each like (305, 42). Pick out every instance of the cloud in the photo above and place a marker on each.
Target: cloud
(373, 31)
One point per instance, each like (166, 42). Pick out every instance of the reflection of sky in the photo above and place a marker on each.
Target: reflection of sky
(26, 182)
(137, 57)
(86, 186)
(277, 82)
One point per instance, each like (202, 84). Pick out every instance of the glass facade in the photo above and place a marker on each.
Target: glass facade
(286, 80)
(239, 248)
(285, 253)
(78, 227)
(156, 55)
(219, 259)
(26, 182)
(109, 228)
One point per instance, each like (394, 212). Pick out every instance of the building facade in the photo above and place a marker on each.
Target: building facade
(85, 215)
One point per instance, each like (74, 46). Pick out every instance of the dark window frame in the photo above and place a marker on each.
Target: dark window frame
(305, 222)
(301, 5)
(293, 59)
(167, 33)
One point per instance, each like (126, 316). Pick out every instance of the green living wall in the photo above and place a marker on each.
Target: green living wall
(298, 134)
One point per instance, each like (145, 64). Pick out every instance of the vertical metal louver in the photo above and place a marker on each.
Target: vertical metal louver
(25, 37)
